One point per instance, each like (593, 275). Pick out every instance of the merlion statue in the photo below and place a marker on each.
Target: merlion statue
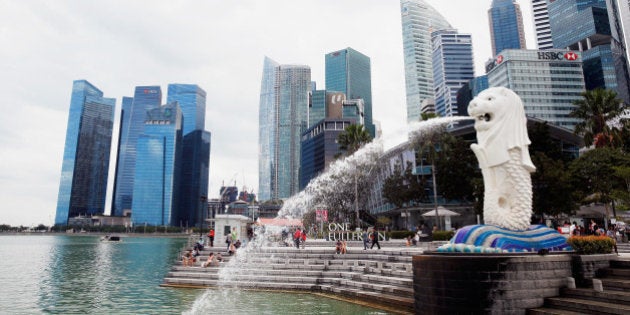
(503, 155)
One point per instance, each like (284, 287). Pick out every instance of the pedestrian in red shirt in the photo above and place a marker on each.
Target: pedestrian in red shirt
(303, 239)
(296, 237)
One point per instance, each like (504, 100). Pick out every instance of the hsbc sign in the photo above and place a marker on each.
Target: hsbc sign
(555, 55)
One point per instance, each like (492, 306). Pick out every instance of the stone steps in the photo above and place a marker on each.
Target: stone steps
(587, 306)
(379, 277)
(615, 298)
(551, 311)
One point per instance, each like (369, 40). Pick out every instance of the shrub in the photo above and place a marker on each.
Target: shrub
(443, 235)
(590, 245)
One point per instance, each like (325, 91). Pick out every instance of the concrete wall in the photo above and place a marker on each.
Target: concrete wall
(489, 284)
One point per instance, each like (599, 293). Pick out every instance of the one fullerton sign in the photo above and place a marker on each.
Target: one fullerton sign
(542, 55)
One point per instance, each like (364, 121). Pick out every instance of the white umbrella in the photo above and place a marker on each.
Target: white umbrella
(442, 212)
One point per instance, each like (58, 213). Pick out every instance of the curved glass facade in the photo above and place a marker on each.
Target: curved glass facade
(85, 166)
(419, 20)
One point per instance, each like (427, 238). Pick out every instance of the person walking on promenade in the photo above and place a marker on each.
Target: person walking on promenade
(366, 239)
(296, 237)
(375, 240)
(211, 237)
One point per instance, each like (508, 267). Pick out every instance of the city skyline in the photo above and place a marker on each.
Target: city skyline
(218, 46)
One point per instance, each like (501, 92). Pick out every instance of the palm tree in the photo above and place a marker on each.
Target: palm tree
(598, 108)
(353, 138)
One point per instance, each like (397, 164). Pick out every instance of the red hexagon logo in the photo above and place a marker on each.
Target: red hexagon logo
(570, 56)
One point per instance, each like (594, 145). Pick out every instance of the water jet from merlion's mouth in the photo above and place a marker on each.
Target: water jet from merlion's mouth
(343, 172)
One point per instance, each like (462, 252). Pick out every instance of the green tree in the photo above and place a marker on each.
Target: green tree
(594, 175)
(403, 186)
(597, 109)
(456, 166)
(353, 138)
(622, 193)
(551, 186)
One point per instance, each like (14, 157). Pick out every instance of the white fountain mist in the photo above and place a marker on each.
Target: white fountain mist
(341, 173)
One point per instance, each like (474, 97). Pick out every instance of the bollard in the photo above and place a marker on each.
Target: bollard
(597, 285)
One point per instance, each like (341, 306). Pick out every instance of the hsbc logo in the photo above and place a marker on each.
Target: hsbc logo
(570, 56)
(555, 55)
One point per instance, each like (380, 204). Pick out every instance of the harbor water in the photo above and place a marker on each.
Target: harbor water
(78, 274)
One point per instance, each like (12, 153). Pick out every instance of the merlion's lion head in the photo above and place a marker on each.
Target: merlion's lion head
(500, 121)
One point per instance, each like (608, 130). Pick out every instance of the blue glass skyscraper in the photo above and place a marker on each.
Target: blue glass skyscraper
(196, 151)
(283, 116)
(419, 20)
(192, 101)
(349, 71)
(453, 66)
(583, 25)
(506, 26)
(131, 126)
(158, 168)
(83, 182)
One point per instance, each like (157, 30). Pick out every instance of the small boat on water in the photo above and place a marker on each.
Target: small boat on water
(111, 238)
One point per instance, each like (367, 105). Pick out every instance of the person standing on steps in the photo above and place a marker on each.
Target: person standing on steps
(366, 239)
(303, 238)
(375, 239)
(228, 240)
(296, 237)
(211, 237)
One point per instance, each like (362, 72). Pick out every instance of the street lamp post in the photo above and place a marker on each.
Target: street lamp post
(203, 201)
(437, 215)
(356, 199)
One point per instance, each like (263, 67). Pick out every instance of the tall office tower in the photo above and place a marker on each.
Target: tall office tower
(196, 145)
(192, 101)
(541, 24)
(348, 71)
(548, 81)
(619, 18)
(283, 116)
(85, 166)
(506, 26)
(453, 66)
(583, 25)
(157, 172)
(419, 20)
(131, 126)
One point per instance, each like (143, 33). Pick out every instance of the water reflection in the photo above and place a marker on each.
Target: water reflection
(235, 301)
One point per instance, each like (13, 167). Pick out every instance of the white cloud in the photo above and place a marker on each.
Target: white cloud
(219, 45)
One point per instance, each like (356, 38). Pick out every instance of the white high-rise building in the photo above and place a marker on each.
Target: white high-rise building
(283, 117)
(541, 24)
(619, 17)
(419, 20)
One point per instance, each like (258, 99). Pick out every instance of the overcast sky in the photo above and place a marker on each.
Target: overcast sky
(219, 45)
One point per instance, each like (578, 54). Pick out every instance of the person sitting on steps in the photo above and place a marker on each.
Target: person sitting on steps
(210, 261)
